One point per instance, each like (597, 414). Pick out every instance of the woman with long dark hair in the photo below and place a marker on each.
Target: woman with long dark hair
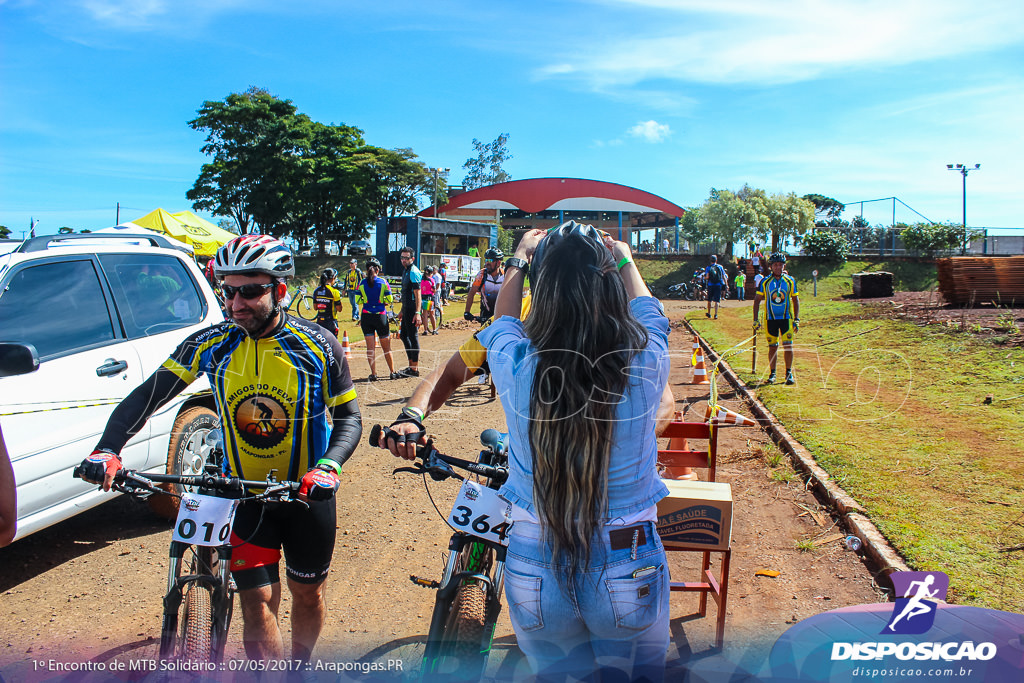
(580, 382)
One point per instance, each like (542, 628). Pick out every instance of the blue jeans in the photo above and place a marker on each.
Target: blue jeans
(604, 620)
(352, 300)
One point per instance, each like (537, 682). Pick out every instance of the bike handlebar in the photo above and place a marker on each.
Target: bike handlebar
(437, 464)
(128, 481)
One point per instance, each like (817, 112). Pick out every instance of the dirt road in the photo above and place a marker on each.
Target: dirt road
(89, 590)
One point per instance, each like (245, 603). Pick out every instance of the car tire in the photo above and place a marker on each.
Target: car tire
(183, 457)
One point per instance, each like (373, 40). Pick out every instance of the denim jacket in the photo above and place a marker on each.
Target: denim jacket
(633, 481)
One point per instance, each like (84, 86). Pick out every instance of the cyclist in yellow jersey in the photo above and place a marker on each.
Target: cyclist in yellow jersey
(327, 300)
(287, 403)
(782, 314)
(352, 279)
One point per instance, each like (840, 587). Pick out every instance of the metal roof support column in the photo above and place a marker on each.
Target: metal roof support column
(677, 234)
(620, 226)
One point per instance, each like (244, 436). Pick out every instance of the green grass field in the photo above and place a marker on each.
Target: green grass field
(920, 424)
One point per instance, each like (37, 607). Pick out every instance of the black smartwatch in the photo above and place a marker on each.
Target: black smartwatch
(518, 263)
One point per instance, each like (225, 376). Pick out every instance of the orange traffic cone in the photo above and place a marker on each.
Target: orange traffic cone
(724, 417)
(344, 345)
(668, 470)
(696, 350)
(700, 372)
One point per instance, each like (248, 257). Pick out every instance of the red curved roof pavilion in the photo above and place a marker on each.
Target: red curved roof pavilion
(535, 195)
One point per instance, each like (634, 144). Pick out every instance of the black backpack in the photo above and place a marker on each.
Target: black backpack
(715, 275)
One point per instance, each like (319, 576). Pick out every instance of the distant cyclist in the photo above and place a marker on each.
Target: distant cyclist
(427, 303)
(352, 279)
(487, 282)
(714, 275)
(286, 403)
(374, 296)
(782, 312)
(327, 301)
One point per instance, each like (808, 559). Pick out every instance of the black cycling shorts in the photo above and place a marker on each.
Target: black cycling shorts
(776, 328)
(375, 323)
(306, 535)
(329, 325)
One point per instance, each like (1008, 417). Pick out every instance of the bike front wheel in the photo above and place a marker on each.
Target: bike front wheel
(196, 637)
(305, 309)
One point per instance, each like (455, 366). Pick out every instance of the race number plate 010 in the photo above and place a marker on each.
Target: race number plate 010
(204, 520)
(480, 511)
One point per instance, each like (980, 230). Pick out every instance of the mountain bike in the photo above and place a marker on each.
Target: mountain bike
(468, 599)
(200, 591)
(302, 304)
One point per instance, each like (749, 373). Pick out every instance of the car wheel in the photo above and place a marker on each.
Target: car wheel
(184, 455)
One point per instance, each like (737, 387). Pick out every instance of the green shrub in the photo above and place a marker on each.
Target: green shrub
(826, 245)
(932, 238)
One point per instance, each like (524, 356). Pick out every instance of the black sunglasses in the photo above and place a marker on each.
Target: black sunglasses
(248, 292)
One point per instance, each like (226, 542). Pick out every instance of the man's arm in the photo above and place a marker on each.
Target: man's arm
(429, 395)
(131, 414)
(345, 434)
(129, 417)
(470, 297)
(8, 496)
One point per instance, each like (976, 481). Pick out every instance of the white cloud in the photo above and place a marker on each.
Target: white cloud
(783, 41)
(651, 131)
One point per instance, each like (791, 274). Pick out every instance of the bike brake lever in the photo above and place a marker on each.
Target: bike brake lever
(418, 469)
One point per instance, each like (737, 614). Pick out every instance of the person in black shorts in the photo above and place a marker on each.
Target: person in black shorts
(410, 315)
(327, 300)
(374, 297)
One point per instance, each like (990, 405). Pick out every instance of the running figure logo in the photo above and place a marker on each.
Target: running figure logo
(914, 611)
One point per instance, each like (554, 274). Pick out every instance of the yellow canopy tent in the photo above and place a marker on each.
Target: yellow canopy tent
(202, 235)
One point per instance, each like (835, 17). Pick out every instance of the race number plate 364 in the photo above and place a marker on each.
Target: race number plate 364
(204, 520)
(481, 512)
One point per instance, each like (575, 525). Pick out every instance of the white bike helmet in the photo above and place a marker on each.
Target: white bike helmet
(252, 254)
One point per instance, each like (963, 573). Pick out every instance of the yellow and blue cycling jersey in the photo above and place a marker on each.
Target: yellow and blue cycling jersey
(473, 353)
(274, 394)
(778, 294)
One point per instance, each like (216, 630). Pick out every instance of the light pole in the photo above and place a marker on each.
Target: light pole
(963, 169)
(436, 171)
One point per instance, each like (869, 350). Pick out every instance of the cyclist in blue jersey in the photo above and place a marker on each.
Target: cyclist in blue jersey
(374, 296)
(287, 403)
(782, 314)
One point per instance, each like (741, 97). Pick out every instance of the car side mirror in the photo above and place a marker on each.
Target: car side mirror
(17, 359)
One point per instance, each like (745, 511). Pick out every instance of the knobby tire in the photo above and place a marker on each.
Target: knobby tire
(197, 624)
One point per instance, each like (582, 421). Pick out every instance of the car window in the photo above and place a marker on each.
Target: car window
(155, 293)
(57, 306)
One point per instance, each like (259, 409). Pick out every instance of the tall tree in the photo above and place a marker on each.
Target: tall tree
(400, 180)
(826, 210)
(4, 232)
(330, 193)
(788, 216)
(486, 167)
(690, 227)
(728, 218)
(254, 139)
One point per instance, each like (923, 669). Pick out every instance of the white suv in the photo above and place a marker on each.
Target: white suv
(103, 313)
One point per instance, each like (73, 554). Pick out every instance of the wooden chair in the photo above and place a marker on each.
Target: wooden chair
(679, 455)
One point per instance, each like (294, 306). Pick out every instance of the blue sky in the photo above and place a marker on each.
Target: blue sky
(854, 100)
